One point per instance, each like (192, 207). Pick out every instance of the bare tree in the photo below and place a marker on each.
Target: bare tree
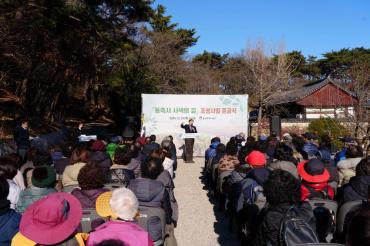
(360, 85)
(266, 74)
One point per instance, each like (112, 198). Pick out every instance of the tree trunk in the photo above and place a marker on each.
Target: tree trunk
(259, 121)
(367, 136)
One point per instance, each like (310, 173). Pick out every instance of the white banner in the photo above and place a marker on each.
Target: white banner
(214, 115)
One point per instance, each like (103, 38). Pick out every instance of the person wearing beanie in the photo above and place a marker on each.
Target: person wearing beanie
(9, 218)
(315, 178)
(99, 144)
(43, 183)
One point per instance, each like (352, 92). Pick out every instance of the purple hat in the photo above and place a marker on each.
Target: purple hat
(313, 171)
(348, 139)
(309, 135)
(51, 219)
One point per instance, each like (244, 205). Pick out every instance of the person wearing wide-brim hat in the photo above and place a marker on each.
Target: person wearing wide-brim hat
(51, 220)
(121, 207)
(315, 178)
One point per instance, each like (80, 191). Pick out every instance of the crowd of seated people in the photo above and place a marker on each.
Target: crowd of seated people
(264, 184)
(102, 192)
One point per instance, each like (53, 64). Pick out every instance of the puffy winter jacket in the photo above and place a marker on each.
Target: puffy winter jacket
(30, 195)
(341, 155)
(167, 181)
(111, 149)
(129, 232)
(356, 189)
(71, 172)
(347, 169)
(211, 151)
(9, 223)
(134, 165)
(87, 198)
(152, 193)
(101, 158)
(311, 149)
(325, 153)
(286, 166)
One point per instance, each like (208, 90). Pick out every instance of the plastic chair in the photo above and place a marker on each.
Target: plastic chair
(89, 215)
(150, 216)
(344, 210)
(70, 188)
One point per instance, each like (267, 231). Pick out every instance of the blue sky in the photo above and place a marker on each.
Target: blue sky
(312, 26)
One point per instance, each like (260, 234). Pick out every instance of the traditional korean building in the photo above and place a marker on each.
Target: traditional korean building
(322, 99)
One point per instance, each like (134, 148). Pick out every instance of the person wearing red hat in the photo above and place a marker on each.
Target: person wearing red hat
(314, 180)
(256, 159)
(257, 162)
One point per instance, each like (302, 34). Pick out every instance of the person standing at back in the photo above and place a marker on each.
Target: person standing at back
(189, 142)
(21, 137)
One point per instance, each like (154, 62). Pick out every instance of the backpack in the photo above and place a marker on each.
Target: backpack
(325, 211)
(318, 194)
(251, 191)
(153, 220)
(294, 229)
(121, 176)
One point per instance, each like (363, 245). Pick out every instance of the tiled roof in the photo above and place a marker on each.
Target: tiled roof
(302, 92)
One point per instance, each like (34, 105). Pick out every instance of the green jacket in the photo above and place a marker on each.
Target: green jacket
(30, 195)
(111, 149)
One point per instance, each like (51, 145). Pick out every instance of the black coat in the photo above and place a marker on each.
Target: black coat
(356, 189)
(187, 128)
(21, 137)
(148, 148)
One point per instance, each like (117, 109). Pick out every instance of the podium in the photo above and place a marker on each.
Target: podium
(86, 138)
(189, 135)
(189, 145)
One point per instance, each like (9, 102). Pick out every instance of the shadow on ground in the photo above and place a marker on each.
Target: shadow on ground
(221, 226)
